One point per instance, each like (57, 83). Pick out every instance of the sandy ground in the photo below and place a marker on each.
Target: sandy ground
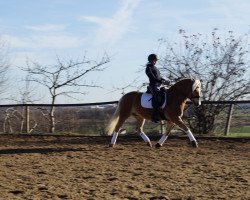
(46, 167)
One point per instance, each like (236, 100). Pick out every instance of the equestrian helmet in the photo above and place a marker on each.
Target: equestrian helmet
(152, 57)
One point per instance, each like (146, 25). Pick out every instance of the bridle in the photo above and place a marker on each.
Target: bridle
(191, 96)
(195, 98)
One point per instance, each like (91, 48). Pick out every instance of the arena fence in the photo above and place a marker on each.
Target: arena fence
(91, 118)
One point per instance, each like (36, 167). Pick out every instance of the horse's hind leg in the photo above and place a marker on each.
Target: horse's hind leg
(139, 129)
(117, 129)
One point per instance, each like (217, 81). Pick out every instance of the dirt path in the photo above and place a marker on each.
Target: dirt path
(84, 168)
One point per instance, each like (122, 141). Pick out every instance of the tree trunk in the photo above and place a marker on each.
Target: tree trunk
(27, 114)
(52, 112)
(52, 119)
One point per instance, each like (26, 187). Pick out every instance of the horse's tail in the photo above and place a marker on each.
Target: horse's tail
(114, 120)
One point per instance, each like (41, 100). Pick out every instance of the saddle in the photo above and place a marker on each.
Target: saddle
(158, 100)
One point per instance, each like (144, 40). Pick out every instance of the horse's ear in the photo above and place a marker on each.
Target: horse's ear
(196, 84)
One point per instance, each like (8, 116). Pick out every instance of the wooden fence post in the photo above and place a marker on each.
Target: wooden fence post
(27, 113)
(229, 118)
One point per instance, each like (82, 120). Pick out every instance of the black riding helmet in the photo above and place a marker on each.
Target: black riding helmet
(152, 57)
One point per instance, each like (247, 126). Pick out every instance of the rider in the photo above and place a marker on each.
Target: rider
(155, 81)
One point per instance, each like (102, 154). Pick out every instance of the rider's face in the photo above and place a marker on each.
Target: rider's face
(154, 62)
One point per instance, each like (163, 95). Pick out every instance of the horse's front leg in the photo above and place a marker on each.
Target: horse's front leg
(178, 121)
(169, 127)
(139, 129)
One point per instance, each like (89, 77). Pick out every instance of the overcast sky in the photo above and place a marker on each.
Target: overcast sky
(128, 30)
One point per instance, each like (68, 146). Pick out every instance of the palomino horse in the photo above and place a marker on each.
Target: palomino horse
(130, 104)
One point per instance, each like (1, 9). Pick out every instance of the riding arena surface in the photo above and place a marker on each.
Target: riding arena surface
(63, 167)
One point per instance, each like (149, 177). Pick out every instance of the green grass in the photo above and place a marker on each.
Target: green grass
(243, 129)
(238, 135)
(241, 115)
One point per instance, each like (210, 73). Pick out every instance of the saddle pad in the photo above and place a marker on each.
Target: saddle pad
(146, 101)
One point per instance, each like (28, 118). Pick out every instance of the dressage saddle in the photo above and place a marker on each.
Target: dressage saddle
(158, 97)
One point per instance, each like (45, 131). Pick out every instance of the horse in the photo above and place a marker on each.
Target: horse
(177, 95)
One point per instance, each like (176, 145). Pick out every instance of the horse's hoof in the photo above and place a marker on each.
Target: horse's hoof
(111, 145)
(194, 144)
(149, 144)
(158, 145)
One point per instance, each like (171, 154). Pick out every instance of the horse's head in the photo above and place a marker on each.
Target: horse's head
(195, 94)
(188, 88)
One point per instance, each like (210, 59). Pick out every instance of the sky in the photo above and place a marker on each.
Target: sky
(127, 30)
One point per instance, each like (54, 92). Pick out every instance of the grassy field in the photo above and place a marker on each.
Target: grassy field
(239, 135)
(243, 131)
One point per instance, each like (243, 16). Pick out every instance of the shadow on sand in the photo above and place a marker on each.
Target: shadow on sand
(37, 150)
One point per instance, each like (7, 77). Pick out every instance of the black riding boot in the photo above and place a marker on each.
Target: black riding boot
(155, 115)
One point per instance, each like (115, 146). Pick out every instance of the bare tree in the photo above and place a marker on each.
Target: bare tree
(133, 84)
(4, 64)
(220, 63)
(27, 94)
(13, 120)
(64, 78)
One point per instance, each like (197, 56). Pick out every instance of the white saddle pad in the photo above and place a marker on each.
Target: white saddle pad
(146, 101)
